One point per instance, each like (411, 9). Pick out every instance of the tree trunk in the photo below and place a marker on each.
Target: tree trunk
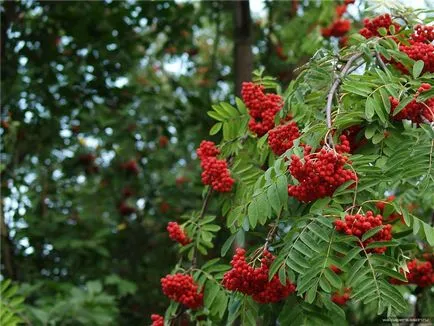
(243, 63)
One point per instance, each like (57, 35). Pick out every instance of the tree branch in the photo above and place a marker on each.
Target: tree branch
(335, 87)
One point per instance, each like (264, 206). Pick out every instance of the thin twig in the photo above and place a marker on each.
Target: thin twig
(335, 87)
(380, 61)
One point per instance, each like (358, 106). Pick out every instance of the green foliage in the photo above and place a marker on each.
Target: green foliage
(11, 304)
(106, 87)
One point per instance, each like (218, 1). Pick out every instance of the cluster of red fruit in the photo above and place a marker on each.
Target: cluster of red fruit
(354, 137)
(341, 298)
(420, 48)
(157, 320)
(358, 225)
(182, 288)
(335, 269)
(215, 172)
(124, 208)
(262, 107)
(253, 281)
(130, 166)
(320, 175)
(381, 205)
(177, 234)
(423, 33)
(420, 273)
(339, 27)
(415, 111)
(371, 26)
(88, 161)
(281, 138)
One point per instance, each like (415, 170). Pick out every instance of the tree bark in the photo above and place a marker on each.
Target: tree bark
(6, 246)
(243, 58)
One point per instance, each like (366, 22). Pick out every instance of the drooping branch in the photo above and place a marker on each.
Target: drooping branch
(335, 87)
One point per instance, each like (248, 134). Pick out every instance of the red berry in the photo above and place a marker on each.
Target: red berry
(420, 273)
(157, 320)
(282, 137)
(358, 225)
(182, 288)
(177, 234)
(250, 280)
(341, 299)
(320, 175)
(131, 166)
(262, 107)
(215, 172)
(371, 26)
(415, 111)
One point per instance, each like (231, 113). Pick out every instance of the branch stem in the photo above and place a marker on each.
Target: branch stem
(335, 86)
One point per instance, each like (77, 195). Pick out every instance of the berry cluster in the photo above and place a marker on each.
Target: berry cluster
(215, 172)
(127, 192)
(320, 175)
(177, 234)
(418, 51)
(125, 209)
(253, 281)
(335, 269)
(359, 224)
(181, 180)
(371, 26)
(157, 320)
(262, 107)
(281, 138)
(337, 28)
(131, 166)
(419, 47)
(429, 257)
(163, 141)
(344, 146)
(88, 160)
(354, 137)
(415, 111)
(381, 205)
(182, 288)
(423, 33)
(341, 299)
(420, 273)
(207, 149)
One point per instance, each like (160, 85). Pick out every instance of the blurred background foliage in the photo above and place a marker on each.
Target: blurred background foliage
(103, 104)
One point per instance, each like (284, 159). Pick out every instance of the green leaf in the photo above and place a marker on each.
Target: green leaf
(377, 138)
(370, 131)
(372, 232)
(282, 275)
(253, 213)
(378, 107)
(370, 108)
(333, 278)
(319, 204)
(216, 128)
(210, 293)
(429, 233)
(273, 198)
(389, 272)
(227, 244)
(385, 99)
(417, 68)
(402, 104)
(382, 31)
(379, 244)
